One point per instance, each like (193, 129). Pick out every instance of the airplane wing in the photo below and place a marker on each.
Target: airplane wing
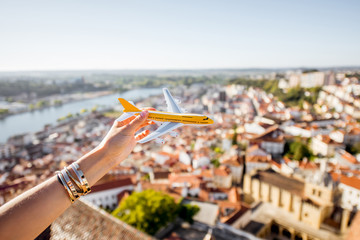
(166, 127)
(170, 102)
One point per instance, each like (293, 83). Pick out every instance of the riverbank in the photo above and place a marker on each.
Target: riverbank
(50, 101)
(33, 121)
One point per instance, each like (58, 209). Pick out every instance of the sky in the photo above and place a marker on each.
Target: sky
(186, 34)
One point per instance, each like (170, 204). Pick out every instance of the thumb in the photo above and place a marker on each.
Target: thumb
(138, 121)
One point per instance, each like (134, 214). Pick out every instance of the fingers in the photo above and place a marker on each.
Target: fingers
(148, 109)
(132, 118)
(125, 122)
(142, 135)
(145, 124)
(138, 121)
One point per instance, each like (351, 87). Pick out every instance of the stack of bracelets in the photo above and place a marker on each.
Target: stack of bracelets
(68, 181)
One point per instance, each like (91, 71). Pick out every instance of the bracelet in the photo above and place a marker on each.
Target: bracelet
(84, 183)
(77, 183)
(68, 181)
(70, 184)
(59, 175)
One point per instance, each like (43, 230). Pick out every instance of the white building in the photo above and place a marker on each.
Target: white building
(312, 79)
(201, 161)
(297, 130)
(345, 159)
(324, 145)
(350, 187)
(105, 195)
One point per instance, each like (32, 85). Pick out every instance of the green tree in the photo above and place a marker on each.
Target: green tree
(234, 138)
(298, 150)
(354, 148)
(4, 111)
(188, 211)
(57, 102)
(215, 162)
(42, 103)
(301, 151)
(148, 210)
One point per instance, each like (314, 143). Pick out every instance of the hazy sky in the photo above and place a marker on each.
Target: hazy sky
(184, 34)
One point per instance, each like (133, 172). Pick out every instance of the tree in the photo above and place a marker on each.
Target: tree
(188, 211)
(353, 148)
(298, 150)
(234, 138)
(4, 111)
(301, 151)
(148, 210)
(215, 162)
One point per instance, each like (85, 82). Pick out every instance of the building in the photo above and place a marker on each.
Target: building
(346, 160)
(312, 79)
(272, 140)
(85, 221)
(257, 158)
(323, 145)
(105, 195)
(350, 187)
(307, 202)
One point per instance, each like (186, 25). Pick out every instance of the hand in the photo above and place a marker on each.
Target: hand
(121, 139)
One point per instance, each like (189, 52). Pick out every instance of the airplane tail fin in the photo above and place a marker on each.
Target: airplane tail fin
(128, 107)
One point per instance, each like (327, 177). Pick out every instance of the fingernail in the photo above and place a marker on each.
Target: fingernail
(143, 113)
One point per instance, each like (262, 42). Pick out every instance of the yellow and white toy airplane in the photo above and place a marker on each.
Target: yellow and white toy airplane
(172, 119)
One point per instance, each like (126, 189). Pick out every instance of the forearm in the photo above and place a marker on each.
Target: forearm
(26, 216)
(34, 210)
(31, 212)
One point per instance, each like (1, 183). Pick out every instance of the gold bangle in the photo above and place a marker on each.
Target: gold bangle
(77, 183)
(84, 183)
(59, 175)
(70, 184)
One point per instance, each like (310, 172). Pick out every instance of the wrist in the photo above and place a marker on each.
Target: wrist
(95, 164)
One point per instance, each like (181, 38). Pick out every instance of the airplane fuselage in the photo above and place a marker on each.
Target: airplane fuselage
(184, 118)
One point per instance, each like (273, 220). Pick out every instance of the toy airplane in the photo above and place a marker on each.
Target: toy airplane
(174, 118)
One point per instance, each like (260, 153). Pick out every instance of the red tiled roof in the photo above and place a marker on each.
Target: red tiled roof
(349, 181)
(84, 221)
(350, 158)
(231, 162)
(192, 179)
(308, 165)
(354, 131)
(278, 165)
(222, 171)
(111, 185)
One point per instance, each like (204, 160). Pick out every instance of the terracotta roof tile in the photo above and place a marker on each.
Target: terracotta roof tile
(111, 184)
(85, 221)
(349, 181)
(350, 158)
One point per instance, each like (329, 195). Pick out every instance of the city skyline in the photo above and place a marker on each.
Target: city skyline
(178, 35)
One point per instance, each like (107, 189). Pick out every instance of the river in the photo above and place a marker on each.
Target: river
(36, 120)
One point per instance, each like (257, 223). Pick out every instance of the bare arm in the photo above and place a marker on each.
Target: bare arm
(26, 216)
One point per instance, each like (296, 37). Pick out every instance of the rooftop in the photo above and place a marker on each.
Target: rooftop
(283, 182)
(85, 221)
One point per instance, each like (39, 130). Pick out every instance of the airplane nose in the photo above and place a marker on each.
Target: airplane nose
(211, 121)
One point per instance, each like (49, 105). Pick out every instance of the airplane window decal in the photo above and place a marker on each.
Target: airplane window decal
(206, 118)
